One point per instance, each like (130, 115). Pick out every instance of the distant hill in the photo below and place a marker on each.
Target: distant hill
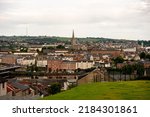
(61, 39)
(53, 39)
(126, 90)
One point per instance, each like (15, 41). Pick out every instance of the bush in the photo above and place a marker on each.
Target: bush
(54, 88)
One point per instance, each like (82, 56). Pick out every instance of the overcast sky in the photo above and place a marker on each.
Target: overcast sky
(127, 19)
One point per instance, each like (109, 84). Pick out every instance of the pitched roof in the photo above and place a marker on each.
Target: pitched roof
(19, 86)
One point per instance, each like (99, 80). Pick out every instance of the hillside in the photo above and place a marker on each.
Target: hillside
(129, 90)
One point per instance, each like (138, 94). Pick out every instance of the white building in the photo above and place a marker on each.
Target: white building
(34, 49)
(147, 49)
(41, 63)
(20, 61)
(26, 53)
(130, 50)
(136, 57)
(58, 52)
(67, 58)
(28, 62)
(91, 58)
(105, 56)
(84, 64)
(107, 65)
(70, 82)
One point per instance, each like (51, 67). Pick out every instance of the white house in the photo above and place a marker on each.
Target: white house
(130, 50)
(91, 58)
(105, 56)
(41, 63)
(147, 49)
(28, 61)
(70, 82)
(67, 58)
(26, 53)
(84, 64)
(20, 61)
(107, 65)
(34, 49)
(136, 57)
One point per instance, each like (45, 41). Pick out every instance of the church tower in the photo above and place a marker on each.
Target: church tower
(73, 40)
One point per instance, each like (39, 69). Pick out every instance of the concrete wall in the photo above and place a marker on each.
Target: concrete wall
(96, 75)
(3, 89)
(86, 79)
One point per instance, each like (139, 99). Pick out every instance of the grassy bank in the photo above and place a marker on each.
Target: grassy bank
(129, 90)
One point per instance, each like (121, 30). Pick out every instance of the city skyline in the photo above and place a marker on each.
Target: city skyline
(117, 19)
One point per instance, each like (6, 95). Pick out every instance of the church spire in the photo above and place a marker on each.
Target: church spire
(73, 40)
(73, 34)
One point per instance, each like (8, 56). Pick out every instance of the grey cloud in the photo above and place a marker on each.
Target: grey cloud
(8, 6)
(115, 17)
(4, 6)
(147, 2)
(146, 7)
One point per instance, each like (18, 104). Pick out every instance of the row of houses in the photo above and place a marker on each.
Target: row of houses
(69, 65)
(14, 88)
(66, 60)
(50, 63)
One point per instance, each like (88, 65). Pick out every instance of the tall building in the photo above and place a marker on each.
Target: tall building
(73, 40)
(74, 43)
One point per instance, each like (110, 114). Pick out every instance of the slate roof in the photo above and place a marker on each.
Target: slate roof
(19, 86)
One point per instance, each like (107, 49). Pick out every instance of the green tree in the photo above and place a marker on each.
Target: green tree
(118, 59)
(51, 48)
(37, 50)
(142, 55)
(43, 48)
(129, 70)
(140, 70)
(54, 88)
(60, 47)
(28, 68)
(148, 56)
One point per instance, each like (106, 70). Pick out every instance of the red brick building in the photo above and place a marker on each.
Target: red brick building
(9, 60)
(54, 64)
(68, 65)
(61, 65)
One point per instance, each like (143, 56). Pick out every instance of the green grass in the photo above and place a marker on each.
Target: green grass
(129, 90)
